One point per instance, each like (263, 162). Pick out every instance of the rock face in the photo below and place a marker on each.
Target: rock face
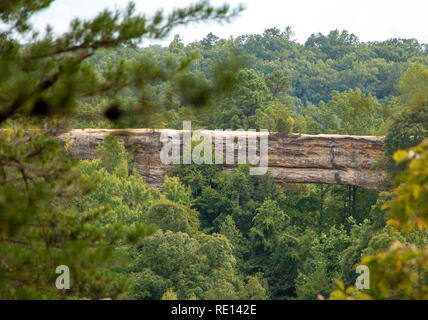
(331, 159)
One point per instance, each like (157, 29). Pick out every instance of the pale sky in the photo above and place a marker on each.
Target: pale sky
(370, 20)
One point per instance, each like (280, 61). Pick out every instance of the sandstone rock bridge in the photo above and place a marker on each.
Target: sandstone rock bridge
(329, 159)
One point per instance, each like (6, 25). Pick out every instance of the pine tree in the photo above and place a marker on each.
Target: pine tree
(42, 83)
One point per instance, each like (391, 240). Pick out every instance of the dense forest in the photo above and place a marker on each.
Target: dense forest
(278, 241)
(208, 233)
(329, 74)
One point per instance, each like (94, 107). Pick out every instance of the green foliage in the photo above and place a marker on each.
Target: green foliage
(409, 125)
(177, 192)
(199, 266)
(168, 215)
(409, 207)
(251, 93)
(50, 74)
(112, 154)
(126, 195)
(39, 229)
(309, 287)
(277, 83)
(11, 12)
(48, 217)
(222, 235)
(349, 112)
(401, 270)
(413, 87)
(276, 68)
(268, 223)
(239, 242)
(169, 295)
(289, 240)
(275, 118)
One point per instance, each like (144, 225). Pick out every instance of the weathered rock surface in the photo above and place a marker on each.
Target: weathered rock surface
(331, 159)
